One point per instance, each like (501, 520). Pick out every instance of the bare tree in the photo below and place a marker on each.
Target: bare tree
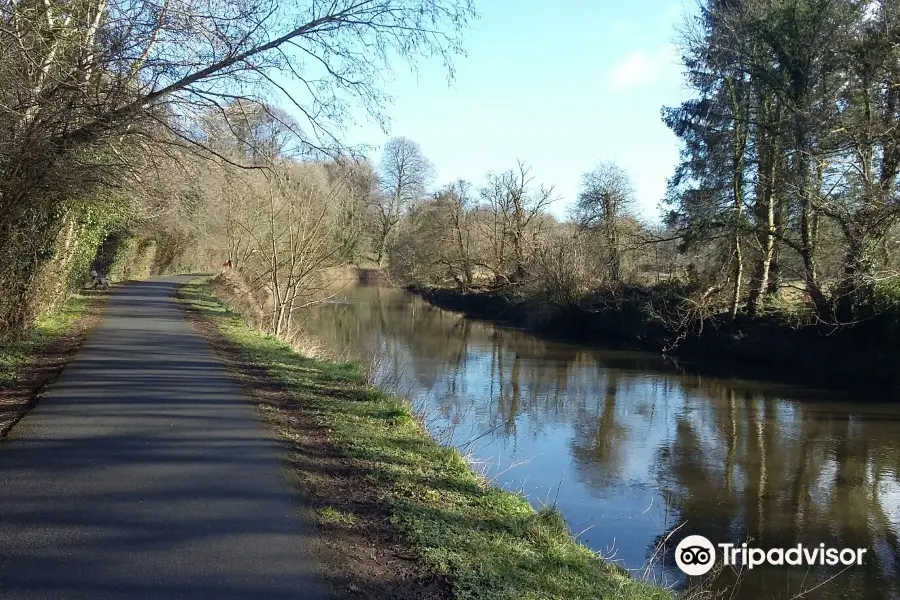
(291, 220)
(90, 90)
(606, 196)
(513, 205)
(458, 199)
(567, 269)
(404, 174)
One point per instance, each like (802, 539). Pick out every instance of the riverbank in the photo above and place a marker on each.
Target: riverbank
(400, 516)
(774, 346)
(31, 363)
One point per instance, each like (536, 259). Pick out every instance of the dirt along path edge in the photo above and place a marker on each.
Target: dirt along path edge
(45, 366)
(366, 559)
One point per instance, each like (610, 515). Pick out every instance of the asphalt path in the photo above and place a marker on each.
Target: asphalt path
(144, 472)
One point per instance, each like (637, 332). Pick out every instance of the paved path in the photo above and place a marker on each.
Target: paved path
(144, 473)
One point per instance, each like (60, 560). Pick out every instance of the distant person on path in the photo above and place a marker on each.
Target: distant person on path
(97, 279)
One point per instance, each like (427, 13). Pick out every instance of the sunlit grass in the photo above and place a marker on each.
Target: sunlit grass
(16, 353)
(490, 543)
(336, 517)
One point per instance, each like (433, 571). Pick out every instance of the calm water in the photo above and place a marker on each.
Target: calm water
(630, 449)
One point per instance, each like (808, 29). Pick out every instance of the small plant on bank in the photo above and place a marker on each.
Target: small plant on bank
(334, 516)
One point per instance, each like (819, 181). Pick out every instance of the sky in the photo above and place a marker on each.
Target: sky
(561, 85)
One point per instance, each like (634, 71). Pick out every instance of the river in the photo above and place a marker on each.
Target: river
(634, 450)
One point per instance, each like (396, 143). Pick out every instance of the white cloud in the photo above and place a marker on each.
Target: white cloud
(640, 69)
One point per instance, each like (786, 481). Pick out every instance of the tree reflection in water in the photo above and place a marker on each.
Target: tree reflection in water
(630, 448)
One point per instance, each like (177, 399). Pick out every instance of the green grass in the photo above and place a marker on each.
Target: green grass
(334, 516)
(491, 543)
(16, 353)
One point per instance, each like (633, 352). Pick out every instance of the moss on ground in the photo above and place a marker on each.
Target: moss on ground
(490, 543)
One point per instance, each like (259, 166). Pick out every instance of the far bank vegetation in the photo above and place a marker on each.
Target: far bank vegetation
(135, 141)
(783, 208)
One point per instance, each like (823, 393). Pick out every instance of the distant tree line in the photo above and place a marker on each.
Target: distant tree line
(135, 132)
(105, 110)
(785, 198)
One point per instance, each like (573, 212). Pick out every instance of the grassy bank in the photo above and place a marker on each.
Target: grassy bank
(32, 360)
(776, 345)
(15, 354)
(480, 542)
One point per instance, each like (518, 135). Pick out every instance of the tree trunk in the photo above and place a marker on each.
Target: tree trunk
(612, 240)
(808, 253)
(765, 214)
(738, 275)
(856, 292)
(774, 283)
(767, 253)
(738, 147)
(808, 228)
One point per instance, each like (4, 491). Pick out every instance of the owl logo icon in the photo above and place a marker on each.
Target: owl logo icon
(695, 555)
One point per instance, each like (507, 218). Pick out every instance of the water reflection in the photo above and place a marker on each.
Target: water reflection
(634, 452)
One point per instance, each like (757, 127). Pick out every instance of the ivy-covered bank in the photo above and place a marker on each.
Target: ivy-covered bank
(475, 540)
(94, 233)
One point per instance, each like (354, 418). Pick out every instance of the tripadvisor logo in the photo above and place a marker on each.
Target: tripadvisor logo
(696, 555)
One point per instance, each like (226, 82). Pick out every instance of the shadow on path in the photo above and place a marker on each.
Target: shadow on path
(144, 473)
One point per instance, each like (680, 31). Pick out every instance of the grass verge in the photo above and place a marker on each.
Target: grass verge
(466, 539)
(28, 364)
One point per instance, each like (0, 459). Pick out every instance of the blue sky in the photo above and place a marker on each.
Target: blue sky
(561, 85)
